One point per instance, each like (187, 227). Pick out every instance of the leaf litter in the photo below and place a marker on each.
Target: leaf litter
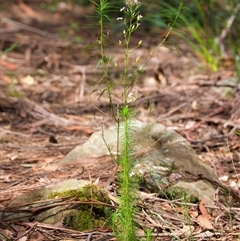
(57, 79)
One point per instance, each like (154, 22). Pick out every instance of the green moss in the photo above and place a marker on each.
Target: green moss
(4, 140)
(88, 192)
(84, 220)
(174, 193)
(86, 216)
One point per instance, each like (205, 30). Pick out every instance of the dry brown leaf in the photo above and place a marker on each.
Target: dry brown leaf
(204, 217)
(203, 210)
(85, 129)
(29, 11)
(204, 222)
(8, 65)
(6, 79)
(166, 207)
(193, 213)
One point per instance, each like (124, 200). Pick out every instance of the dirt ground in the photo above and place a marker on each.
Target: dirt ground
(48, 106)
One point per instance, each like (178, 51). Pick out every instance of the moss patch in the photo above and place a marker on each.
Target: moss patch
(174, 193)
(87, 216)
(84, 220)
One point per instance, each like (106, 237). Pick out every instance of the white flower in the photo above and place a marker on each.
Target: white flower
(119, 18)
(137, 2)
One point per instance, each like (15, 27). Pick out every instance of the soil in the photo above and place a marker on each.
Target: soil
(50, 102)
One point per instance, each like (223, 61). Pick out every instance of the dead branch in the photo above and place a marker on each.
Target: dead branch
(34, 110)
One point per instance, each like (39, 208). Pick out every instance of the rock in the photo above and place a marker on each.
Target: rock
(164, 162)
(189, 191)
(49, 205)
(162, 157)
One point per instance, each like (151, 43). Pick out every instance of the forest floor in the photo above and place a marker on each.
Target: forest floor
(48, 106)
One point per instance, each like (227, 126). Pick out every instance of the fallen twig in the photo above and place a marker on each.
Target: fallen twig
(29, 28)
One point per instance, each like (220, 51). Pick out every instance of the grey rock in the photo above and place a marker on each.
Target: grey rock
(164, 162)
(199, 189)
(159, 154)
(22, 208)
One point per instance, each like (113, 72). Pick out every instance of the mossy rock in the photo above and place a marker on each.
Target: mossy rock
(89, 215)
(191, 191)
(89, 210)
(157, 152)
(174, 193)
(87, 219)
